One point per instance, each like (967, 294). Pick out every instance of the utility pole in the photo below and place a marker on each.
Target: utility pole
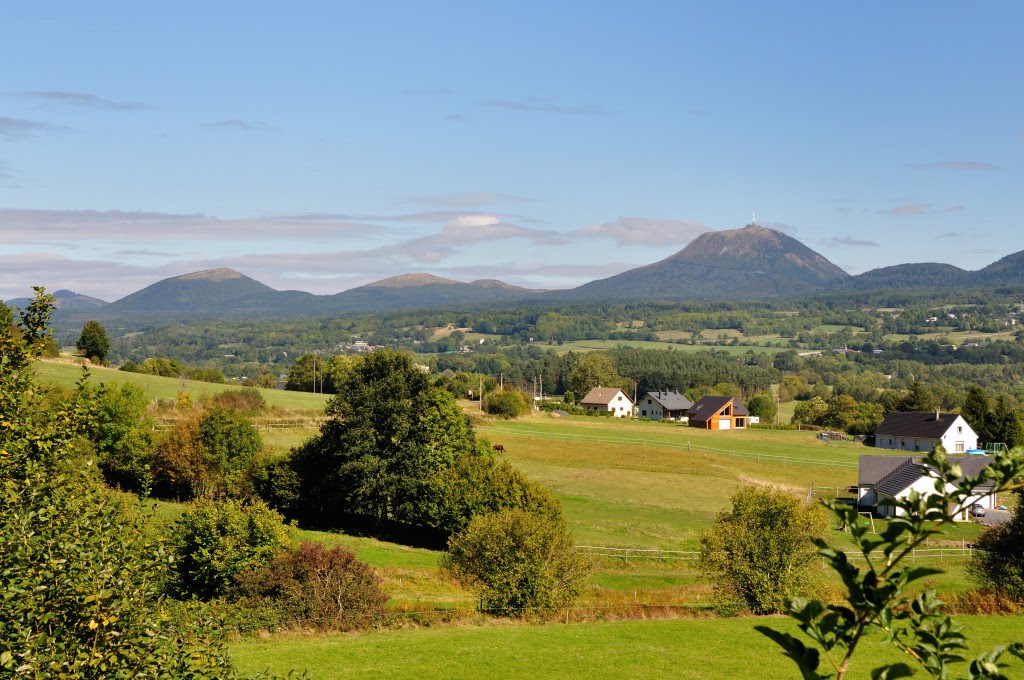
(501, 377)
(481, 393)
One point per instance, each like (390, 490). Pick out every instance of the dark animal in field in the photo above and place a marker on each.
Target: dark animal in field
(500, 448)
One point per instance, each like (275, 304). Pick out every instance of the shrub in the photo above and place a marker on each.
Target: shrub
(311, 585)
(207, 454)
(214, 541)
(762, 406)
(762, 547)
(79, 574)
(507, 404)
(480, 485)
(999, 564)
(247, 400)
(518, 562)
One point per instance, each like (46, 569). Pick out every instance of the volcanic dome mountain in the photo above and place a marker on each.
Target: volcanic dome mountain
(739, 263)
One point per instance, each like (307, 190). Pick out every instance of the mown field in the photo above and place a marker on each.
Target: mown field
(702, 648)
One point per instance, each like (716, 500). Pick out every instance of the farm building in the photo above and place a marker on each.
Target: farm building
(663, 405)
(718, 413)
(881, 479)
(608, 399)
(924, 430)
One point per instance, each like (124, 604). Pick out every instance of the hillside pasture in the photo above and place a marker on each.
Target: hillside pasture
(158, 387)
(656, 485)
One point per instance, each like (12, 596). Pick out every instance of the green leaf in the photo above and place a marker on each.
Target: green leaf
(896, 670)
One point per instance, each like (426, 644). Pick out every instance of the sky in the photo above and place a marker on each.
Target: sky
(321, 146)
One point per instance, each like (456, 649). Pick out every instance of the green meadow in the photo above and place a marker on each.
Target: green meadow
(158, 387)
(688, 648)
(624, 484)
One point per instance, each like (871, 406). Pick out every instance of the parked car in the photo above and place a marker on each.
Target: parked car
(977, 510)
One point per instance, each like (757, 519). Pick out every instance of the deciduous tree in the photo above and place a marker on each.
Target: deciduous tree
(94, 341)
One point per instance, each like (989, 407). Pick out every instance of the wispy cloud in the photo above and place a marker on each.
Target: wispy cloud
(955, 209)
(541, 105)
(906, 210)
(17, 128)
(648, 231)
(239, 124)
(465, 199)
(80, 99)
(848, 242)
(19, 225)
(949, 235)
(957, 165)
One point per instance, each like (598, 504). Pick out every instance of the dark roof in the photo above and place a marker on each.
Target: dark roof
(922, 424)
(671, 401)
(871, 469)
(905, 474)
(707, 407)
(892, 474)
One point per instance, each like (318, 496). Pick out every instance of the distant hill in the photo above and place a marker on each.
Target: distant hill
(739, 263)
(211, 293)
(748, 263)
(67, 300)
(924, 275)
(415, 291)
(1009, 271)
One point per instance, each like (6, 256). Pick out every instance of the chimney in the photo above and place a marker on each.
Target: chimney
(936, 414)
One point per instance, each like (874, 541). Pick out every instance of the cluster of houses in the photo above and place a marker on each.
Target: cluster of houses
(710, 413)
(881, 478)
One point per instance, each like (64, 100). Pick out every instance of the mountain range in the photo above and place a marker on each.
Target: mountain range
(746, 263)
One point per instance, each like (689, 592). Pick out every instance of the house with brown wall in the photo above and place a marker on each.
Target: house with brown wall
(719, 413)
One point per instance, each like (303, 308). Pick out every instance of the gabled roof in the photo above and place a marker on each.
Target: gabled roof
(919, 424)
(905, 474)
(603, 396)
(671, 401)
(707, 407)
(893, 474)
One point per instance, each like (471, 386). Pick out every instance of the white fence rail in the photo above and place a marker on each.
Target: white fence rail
(626, 554)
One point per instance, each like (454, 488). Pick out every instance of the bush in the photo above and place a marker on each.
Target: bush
(761, 549)
(999, 564)
(80, 575)
(206, 455)
(214, 541)
(247, 400)
(518, 562)
(507, 404)
(762, 406)
(480, 485)
(313, 586)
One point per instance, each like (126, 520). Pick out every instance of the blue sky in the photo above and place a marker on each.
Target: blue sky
(320, 146)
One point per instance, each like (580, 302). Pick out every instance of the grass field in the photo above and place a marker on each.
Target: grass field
(695, 648)
(158, 387)
(597, 345)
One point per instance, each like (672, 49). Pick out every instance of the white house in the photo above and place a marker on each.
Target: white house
(608, 399)
(923, 431)
(882, 479)
(663, 405)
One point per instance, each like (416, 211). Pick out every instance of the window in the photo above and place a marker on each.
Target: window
(959, 429)
(644, 412)
(620, 397)
(959, 447)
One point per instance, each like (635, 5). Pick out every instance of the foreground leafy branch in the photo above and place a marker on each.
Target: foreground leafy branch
(877, 591)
